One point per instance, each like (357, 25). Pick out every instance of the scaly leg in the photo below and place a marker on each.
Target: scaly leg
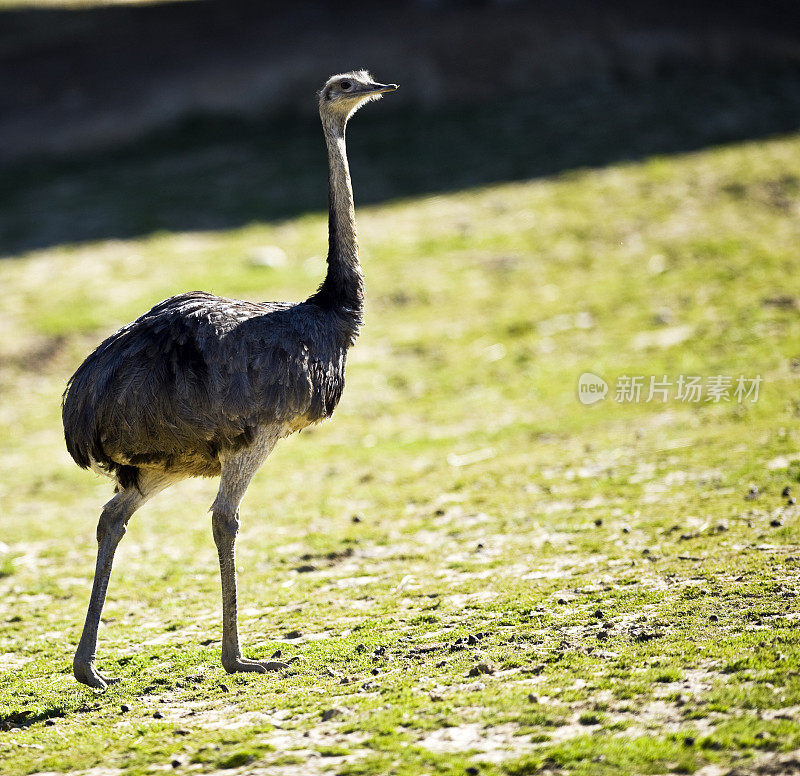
(237, 471)
(111, 528)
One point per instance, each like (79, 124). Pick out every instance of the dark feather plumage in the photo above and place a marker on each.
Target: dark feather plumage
(199, 374)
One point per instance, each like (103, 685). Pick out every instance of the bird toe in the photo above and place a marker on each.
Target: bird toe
(87, 674)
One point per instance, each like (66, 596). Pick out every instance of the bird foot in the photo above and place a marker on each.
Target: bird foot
(87, 674)
(253, 666)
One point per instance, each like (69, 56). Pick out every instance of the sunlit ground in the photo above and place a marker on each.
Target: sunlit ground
(627, 570)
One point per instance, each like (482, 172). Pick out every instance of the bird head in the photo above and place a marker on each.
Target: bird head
(345, 93)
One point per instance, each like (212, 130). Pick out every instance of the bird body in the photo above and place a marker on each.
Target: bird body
(204, 386)
(216, 370)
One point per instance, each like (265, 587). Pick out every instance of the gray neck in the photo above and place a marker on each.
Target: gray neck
(343, 287)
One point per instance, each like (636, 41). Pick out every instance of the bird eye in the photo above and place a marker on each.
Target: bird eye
(345, 86)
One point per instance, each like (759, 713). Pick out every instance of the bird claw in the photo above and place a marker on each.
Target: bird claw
(87, 674)
(244, 664)
(272, 665)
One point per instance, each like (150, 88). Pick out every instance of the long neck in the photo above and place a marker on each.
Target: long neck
(343, 287)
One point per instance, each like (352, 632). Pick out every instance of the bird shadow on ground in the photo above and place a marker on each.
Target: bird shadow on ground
(23, 718)
(218, 172)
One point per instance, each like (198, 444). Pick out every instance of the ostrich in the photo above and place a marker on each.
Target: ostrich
(202, 386)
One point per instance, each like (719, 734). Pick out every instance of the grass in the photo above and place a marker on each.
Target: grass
(632, 601)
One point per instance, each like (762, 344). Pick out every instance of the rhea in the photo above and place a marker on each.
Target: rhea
(202, 386)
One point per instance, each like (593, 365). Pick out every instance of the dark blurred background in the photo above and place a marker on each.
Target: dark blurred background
(117, 121)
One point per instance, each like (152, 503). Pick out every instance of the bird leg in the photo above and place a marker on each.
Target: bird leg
(236, 476)
(225, 525)
(110, 529)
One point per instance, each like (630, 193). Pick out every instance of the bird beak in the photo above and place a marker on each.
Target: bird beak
(381, 88)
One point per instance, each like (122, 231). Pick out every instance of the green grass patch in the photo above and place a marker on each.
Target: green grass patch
(475, 569)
